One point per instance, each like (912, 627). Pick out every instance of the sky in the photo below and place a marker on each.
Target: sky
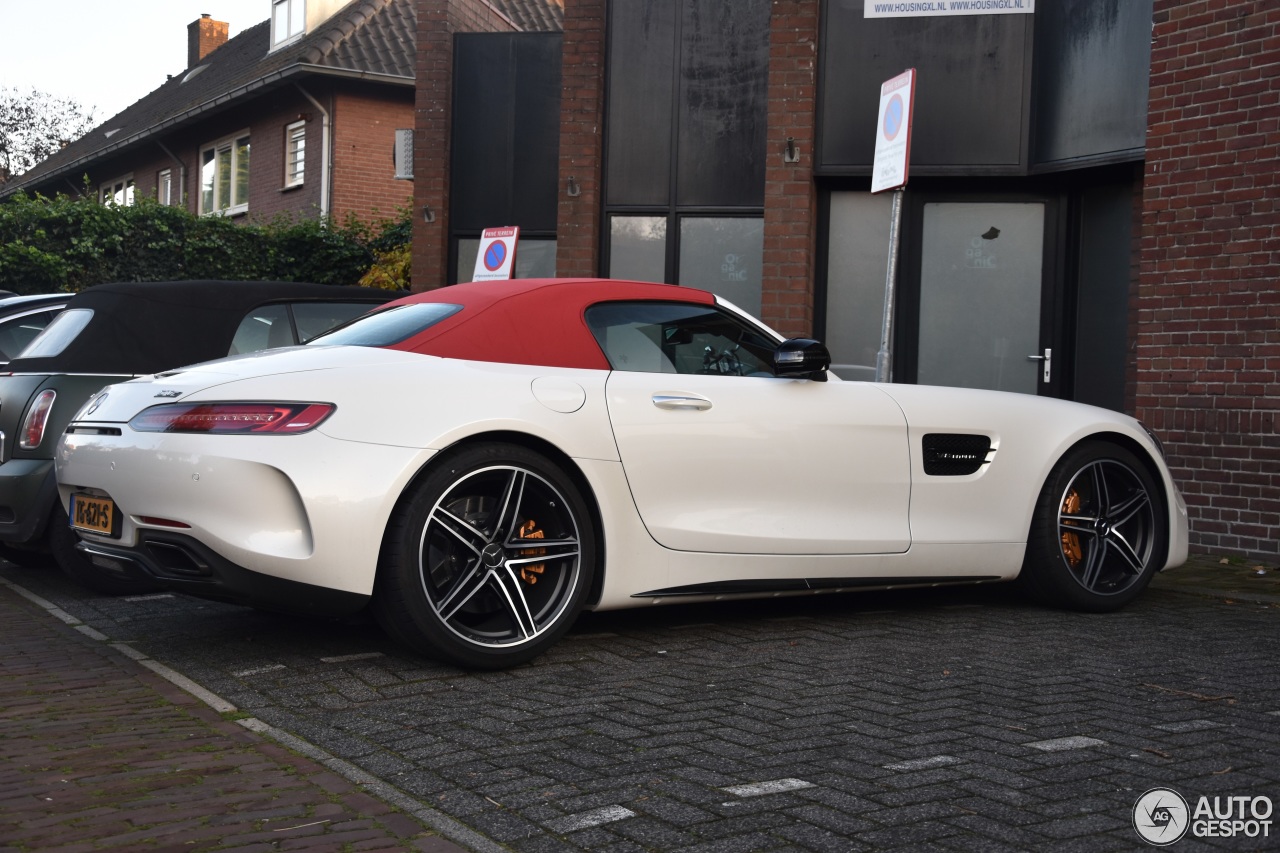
(106, 54)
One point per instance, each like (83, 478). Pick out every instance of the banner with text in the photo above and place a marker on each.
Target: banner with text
(931, 8)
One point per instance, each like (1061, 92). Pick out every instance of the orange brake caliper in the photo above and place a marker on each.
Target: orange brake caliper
(529, 573)
(1071, 541)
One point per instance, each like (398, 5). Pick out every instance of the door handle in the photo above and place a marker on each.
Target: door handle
(1047, 358)
(675, 401)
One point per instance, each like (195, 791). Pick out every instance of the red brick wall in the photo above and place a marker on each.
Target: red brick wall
(581, 139)
(1209, 298)
(438, 20)
(790, 200)
(364, 137)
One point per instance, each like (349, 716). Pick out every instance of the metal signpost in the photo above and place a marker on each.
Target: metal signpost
(889, 172)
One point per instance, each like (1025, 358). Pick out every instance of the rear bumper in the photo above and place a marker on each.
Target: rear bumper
(27, 494)
(182, 564)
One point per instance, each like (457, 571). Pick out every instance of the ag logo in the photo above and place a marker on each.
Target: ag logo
(1161, 816)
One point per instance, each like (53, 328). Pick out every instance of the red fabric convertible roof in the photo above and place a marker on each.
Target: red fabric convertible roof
(531, 321)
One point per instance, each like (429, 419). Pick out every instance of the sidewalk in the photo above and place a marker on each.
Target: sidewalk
(1230, 579)
(98, 753)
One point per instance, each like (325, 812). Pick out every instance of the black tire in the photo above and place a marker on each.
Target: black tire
(78, 567)
(456, 579)
(1099, 533)
(27, 558)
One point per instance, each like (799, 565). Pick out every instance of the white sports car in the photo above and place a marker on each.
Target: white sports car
(479, 463)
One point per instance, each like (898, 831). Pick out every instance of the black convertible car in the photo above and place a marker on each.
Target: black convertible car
(112, 332)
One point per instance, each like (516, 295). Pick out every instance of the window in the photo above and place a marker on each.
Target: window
(295, 153)
(389, 327)
(224, 176)
(668, 337)
(164, 187)
(263, 328)
(403, 155)
(17, 332)
(722, 254)
(288, 21)
(119, 191)
(638, 248)
(59, 334)
(535, 257)
(316, 318)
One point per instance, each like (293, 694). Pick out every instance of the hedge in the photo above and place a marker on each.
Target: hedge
(68, 244)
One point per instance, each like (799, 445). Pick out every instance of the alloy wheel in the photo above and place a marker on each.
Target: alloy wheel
(500, 556)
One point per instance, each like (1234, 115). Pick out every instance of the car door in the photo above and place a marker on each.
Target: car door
(723, 456)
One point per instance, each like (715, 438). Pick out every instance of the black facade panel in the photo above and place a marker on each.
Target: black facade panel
(1102, 312)
(972, 112)
(506, 131)
(724, 84)
(641, 87)
(1093, 59)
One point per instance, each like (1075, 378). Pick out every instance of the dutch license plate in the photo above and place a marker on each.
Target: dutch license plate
(93, 514)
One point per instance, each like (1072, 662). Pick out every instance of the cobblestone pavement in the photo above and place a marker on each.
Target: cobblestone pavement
(97, 753)
(959, 719)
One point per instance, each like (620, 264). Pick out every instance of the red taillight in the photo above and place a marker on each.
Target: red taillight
(232, 418)
(37, 419)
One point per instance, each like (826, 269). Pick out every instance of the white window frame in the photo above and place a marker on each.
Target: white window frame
(164, 187)
(295, 154)
(117, 191)
(288, 21)
(234, 205)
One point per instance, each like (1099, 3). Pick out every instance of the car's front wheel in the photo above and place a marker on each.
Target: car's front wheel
(1099, 533)
(488, 560)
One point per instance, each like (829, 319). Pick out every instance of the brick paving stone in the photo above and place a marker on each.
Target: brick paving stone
(97, 751)
(657, 710)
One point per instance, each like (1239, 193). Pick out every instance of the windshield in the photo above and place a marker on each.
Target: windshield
(388, 327)
(59, 334)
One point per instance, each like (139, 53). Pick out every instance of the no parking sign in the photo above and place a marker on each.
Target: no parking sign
(497, 255)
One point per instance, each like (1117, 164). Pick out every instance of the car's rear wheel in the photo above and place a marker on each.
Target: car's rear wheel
(1099, 533)
(488, 560)
(77, 566)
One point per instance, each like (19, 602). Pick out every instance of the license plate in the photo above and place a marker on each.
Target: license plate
(93, 515)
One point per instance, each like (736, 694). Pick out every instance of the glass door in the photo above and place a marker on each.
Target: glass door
(982, 297)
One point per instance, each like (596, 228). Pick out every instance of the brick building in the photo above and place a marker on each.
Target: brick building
(298, 114)
(1059, 238)
(1208, 332)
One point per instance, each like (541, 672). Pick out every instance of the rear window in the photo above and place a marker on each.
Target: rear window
(389, 326)
(59, 334)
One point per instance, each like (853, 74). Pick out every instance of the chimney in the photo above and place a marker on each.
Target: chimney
(204, 37)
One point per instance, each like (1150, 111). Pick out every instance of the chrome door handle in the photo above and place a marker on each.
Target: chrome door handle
(673, 401)
(1047, 358)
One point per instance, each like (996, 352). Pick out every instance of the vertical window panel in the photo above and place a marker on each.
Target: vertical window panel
(638, 248)
(857, 261)
(724, 254)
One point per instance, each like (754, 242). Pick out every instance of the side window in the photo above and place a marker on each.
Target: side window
(668, 337)
(263, 328)
(16, 333)
(316, 318)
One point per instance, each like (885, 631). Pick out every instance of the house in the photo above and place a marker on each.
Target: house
(299, 114)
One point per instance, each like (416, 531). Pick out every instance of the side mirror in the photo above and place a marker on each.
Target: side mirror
(802, 358)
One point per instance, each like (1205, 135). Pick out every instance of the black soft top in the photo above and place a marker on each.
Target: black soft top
(147, 327)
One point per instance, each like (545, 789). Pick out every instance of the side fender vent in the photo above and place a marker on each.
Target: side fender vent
(950, 455)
